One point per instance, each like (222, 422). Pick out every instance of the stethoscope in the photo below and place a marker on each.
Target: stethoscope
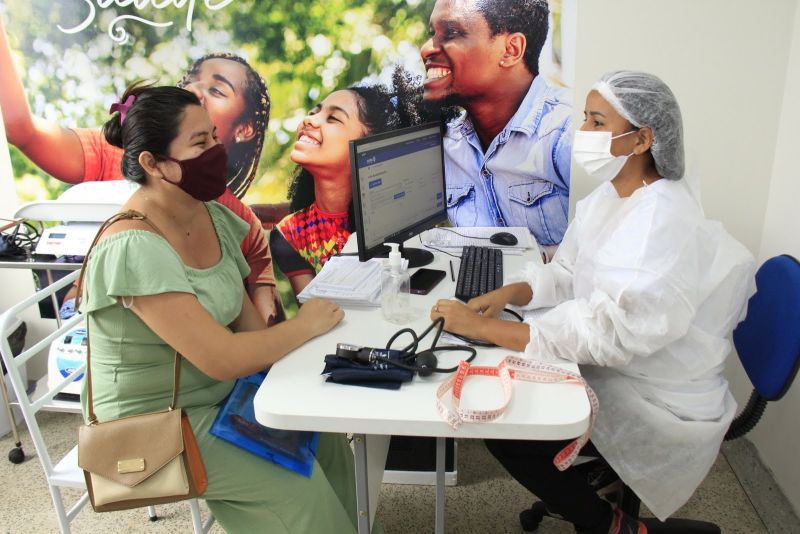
(424, 362)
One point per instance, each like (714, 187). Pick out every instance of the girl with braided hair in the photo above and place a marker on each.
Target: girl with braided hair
(321, 192)
(241, 122)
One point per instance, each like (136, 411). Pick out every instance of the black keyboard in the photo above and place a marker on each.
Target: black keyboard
(481, 271)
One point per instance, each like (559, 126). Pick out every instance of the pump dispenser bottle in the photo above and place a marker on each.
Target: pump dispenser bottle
(395, 288)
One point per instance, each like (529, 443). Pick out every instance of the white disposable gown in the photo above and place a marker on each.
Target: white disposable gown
(644, 294)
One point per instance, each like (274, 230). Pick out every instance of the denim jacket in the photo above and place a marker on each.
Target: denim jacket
(523, 178)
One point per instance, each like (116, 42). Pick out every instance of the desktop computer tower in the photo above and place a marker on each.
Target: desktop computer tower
(412, 460)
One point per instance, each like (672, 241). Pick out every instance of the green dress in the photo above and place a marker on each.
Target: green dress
(132, 373)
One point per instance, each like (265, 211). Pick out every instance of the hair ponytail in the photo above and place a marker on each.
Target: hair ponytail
(146, 118)
(112, 131)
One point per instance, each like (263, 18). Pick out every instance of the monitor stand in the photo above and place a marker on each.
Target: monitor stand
(416, 257)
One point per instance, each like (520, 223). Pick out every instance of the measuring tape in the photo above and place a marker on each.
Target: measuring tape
(510, 369)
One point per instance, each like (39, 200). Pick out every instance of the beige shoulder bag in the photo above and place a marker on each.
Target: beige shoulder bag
(140, 460)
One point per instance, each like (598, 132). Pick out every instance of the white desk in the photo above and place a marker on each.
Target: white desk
(295, 396)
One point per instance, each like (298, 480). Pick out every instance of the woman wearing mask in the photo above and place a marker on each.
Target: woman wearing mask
(235, 97)
(321, 192)
(644, 292)
(173, 282)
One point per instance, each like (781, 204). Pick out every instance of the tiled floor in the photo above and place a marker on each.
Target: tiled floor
(485, 500)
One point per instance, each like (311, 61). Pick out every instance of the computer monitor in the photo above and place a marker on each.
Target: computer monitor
(398, 189)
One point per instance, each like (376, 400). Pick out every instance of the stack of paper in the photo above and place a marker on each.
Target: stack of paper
(462, 236)
(347, 281)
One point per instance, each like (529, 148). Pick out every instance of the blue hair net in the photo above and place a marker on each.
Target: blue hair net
(645, 101)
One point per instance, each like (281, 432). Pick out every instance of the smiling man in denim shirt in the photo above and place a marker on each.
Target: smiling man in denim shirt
(507, 157)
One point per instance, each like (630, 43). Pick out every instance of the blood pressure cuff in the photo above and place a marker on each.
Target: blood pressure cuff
(375, 374)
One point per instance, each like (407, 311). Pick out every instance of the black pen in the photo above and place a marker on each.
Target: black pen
(452, 276)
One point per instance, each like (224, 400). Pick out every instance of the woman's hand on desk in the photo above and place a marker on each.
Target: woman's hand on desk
(319, 315)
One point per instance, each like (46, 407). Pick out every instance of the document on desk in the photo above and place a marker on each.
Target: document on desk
(462, 236)
(347, 281)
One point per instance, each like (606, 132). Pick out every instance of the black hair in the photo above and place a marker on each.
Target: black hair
(243, 157)
(151, 124)
(529, 17)
(380, 109)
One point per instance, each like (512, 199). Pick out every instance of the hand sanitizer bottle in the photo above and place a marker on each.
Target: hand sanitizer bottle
(395, 288)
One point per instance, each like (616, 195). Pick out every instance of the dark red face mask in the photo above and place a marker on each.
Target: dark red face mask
(204, 177)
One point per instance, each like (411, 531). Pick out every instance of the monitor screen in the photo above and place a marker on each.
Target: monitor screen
(398, 189)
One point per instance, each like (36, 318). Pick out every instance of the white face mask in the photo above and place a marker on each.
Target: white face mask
(592, 151)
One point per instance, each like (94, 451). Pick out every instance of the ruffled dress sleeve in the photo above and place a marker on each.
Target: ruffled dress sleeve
(139, 262)
(132, 263)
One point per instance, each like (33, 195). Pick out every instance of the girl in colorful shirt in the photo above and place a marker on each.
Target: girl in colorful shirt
(321, 192)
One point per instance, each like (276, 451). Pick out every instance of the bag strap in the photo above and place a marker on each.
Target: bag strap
(509, 369)
(125, 215)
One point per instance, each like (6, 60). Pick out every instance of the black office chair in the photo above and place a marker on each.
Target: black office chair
(768, 343)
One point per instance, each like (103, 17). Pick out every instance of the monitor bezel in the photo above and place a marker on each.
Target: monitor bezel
(408, 232)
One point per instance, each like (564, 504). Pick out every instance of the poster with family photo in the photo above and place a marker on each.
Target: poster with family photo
(260, 64)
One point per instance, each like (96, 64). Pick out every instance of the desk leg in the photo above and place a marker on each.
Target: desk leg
(440, 467)
(370, 461)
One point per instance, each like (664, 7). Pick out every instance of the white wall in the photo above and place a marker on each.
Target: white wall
(15, 285)
(728, 62)
(778, 435)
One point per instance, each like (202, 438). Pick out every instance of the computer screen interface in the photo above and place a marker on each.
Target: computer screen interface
(398, 188)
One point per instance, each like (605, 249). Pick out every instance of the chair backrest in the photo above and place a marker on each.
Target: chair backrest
(43, 397)
(65, 472)
(768, 339)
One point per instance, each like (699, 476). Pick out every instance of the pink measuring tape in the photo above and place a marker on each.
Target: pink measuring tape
(510, 369)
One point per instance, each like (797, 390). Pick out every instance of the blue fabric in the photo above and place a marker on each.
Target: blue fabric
(236, 423)
(67, 309)
(523, 177)
(768, 340)
(372, 375)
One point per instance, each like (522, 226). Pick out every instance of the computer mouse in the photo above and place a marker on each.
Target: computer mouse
(503, 238)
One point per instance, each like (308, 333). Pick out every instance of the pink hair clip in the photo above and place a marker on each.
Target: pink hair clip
(122, 107)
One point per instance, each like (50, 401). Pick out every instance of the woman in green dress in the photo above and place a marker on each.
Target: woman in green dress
(149, 293)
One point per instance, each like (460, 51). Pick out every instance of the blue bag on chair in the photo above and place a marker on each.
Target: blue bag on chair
(236, 423)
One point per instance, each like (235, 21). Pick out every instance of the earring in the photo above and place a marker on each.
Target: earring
(238, 139)
(502, 63)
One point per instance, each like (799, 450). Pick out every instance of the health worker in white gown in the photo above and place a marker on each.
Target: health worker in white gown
(643, 292)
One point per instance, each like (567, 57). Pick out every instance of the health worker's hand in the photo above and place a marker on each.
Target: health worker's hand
(458, 318)
(490, 304)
